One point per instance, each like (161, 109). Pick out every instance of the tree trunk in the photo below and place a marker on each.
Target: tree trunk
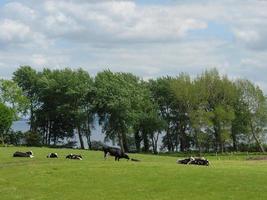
(182, 141)
(125, 144)
(80, 137)
(169, 141)
(88, 136)
(49, 131)
(138, 140)
(234, 142)
(2, 139)
(256, 139)
(146, 142)
(121, 142)
(198, 146)
(89, 141)
(155, 142)
(217, 139)
(31, 118)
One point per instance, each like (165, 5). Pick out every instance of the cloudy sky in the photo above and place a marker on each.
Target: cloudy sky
(149, 38)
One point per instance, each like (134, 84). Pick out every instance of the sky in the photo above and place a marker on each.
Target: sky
(150, 38)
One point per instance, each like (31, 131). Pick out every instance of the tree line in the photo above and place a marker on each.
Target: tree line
(206, 113)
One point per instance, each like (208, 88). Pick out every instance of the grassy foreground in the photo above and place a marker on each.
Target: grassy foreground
(156, 177)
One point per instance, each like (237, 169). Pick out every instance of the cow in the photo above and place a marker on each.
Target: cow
(116, 152)
(74, 156)
(183, 161)
(194, 161)
(52, 155)
(28, 154)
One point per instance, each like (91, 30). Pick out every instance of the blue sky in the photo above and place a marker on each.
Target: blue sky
(145, 37)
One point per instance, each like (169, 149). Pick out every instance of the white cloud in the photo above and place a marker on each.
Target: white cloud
(16, 10)
(116, 21)
(13, 31)
(148, 40)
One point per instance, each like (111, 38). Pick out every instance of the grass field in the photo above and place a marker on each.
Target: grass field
(155, 177)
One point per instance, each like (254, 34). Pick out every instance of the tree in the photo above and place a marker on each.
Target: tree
(218, 94)
(162, 96)
(12, 105)
(6, 119)
(256, 109)
(12, 96)
(148, 123)
(80, 94)
(182, 89)
(27, 78)
(116, 100)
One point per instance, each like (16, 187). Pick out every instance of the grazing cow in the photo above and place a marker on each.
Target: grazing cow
(52, 155)
(74, 156)
(194, 161)
(28, 154)
(116, 152)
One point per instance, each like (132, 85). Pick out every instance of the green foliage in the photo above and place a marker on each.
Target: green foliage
(207, 113)
(60, 102)
(117, 97)
(11, 95)
(6, 119)
(255, 107)
(32, 139)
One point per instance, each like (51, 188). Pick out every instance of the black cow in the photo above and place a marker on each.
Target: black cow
(28, 154)
(194, 161)
(116, 152)
(74, 156)
(52, 155)
(183, 161)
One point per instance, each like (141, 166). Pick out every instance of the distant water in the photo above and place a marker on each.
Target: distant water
(97, 135)
(21, 125)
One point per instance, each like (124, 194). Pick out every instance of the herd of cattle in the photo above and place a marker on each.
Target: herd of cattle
(118, 154)
(29, 154)
(112, 151)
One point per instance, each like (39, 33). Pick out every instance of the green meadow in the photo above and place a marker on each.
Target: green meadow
(155, 177)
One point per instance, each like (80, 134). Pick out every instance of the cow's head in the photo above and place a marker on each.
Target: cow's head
(125, 156)
(29, 153)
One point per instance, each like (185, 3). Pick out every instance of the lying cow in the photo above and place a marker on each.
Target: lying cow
(28, 154)
(116, 152)
(194, 161)
(52, 155)
(74, 156)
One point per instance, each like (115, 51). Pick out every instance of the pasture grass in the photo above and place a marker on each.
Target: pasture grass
(154, 178)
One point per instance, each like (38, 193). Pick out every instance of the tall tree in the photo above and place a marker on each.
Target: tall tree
(26, 78)
(12, 96)
(6, 119)
(219, 94)
(148, 124)
(116, 98)
(182, 88)
(256, 109)
(163, 97)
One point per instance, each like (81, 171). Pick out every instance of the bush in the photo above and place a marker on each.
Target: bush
(14, 138)
(32, 139)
